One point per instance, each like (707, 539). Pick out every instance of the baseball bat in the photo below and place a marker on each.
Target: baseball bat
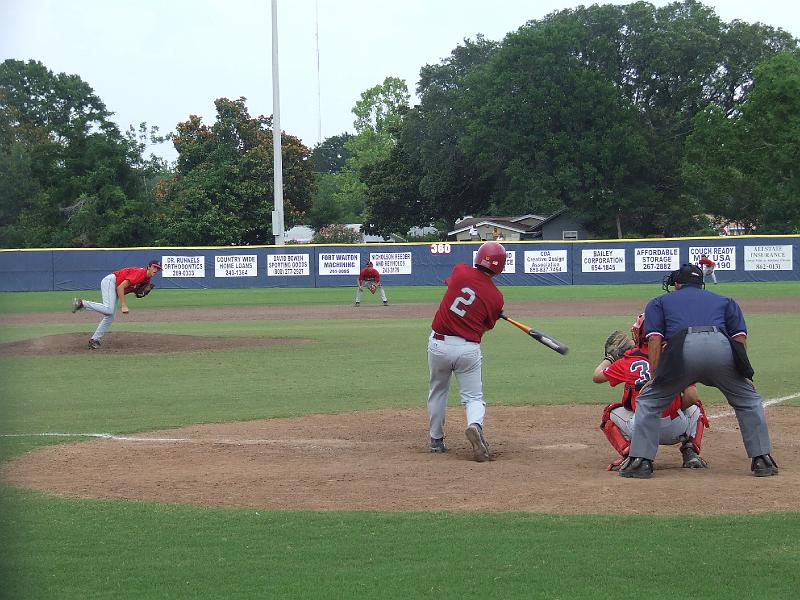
(540, 337)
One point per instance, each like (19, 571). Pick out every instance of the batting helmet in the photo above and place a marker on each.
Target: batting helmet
(637, 330)
(491, 256)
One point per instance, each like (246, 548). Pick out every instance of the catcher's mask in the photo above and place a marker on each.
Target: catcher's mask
(637, 330)
(491, 256)
(687, 274)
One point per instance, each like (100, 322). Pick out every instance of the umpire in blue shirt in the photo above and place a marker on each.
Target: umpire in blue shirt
(706, 342)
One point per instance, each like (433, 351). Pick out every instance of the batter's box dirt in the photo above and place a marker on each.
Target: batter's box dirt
(124, 342)
(547, 459)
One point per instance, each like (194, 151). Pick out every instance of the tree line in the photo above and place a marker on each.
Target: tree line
(641, 121)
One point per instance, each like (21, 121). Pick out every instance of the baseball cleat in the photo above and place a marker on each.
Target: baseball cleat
(94, 344)
(636, 467)
(438, 445)
(358, 303)
(691, 459)
(480, 448)
(77, 304)
(386, 303)
(764, 466)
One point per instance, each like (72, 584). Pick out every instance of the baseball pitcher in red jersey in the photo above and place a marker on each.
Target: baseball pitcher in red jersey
(682, 422)
(113, 287)
(470, 307)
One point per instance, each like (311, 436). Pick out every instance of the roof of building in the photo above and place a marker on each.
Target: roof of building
(510, 223)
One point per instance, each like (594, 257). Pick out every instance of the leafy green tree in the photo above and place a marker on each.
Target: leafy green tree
(379, 115)
(222, 192)
(744, 167)
(336, 234)
(452, 183)
(587, 108)
(67, 175)
(331, 155)
(394, 203)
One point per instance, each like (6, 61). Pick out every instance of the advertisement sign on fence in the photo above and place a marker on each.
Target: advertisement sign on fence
(656, 259)
(291, 265)
(603, 260)
(340, 263)
(183, 266)
(545, 261)
(768, 258)
(236, 265)
(724, 256)
(391, 263)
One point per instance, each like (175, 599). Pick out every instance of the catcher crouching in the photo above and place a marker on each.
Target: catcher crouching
(625, 361)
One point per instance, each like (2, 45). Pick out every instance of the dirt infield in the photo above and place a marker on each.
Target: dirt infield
(547, 458)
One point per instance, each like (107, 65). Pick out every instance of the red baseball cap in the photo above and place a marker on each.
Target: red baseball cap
(154, 263)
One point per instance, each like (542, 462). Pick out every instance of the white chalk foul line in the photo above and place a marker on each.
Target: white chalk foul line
(127, 438)
(766, 403)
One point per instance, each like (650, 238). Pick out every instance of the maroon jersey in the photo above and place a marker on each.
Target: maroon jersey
(633, 369)
(471, 304)
(369, 273)
(134, 275)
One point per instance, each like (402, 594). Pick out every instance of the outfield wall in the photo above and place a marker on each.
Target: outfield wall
(740, 258)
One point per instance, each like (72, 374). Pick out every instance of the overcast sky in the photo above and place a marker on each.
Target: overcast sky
(160, 61)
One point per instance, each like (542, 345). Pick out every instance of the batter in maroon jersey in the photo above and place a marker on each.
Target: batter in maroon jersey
(470, 307)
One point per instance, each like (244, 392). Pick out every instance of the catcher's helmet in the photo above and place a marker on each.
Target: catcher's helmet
(637, 330)
(491, 256)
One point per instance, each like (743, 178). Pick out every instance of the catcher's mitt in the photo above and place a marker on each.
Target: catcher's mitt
(617, 344)
(143, 289)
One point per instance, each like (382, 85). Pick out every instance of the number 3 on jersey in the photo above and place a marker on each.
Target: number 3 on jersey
(465, 300)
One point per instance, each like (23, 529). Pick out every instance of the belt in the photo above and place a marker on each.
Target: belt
(441, 338)
(706, 329)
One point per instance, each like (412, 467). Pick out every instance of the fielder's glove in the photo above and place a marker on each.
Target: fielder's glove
(373, 287)
(616, 345)
(143, 289)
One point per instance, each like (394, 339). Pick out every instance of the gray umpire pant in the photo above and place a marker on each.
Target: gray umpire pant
(707, 359)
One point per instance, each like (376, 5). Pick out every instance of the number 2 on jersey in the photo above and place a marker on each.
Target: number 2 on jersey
(465, 300)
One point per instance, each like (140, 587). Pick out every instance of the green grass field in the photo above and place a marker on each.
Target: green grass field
(66, 548)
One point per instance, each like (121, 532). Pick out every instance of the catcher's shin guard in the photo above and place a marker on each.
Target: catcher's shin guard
(702, 423)
(617, 440)
(690, 447)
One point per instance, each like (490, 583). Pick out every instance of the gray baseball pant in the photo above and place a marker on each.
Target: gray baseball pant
(707, 359)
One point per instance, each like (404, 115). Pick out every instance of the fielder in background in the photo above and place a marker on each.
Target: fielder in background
(706, 342)
(470, 306)
(370, 277)
(682, 422)
(708, 265)
(113, 287)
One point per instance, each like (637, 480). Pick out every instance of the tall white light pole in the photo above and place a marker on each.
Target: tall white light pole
(277, 160)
